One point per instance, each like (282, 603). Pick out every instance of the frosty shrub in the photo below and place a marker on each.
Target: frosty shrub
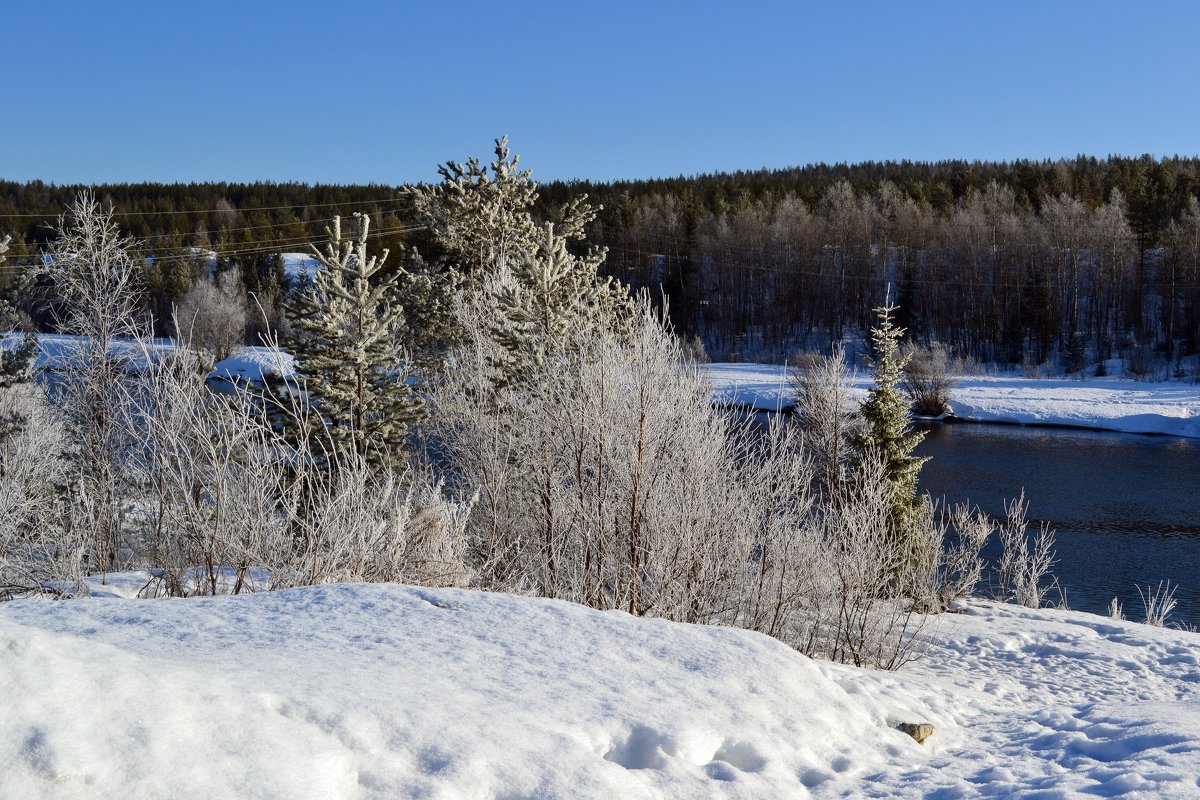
(230, 504)
(1115, 611)
(928, 379)
(826, 413)
(40, 551)
(353, 522)
(1158, 603)
(211, 474)
(211, 316)
(605, 477)
(1025, 560)
(95, 274)
(952, 558)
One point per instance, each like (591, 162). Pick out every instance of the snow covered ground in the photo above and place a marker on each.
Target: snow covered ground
(300, 266)
(253, 363)
(1117, 404)
(368, 691)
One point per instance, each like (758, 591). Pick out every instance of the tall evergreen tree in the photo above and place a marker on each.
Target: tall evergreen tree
(887, 432)
(346, 340)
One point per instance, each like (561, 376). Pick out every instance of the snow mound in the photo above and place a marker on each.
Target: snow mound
(386, 691)
(392, 691)
(254, 364)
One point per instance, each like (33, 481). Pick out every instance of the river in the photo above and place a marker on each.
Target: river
(1125, 508)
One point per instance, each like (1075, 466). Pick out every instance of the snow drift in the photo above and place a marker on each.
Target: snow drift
(346, 691)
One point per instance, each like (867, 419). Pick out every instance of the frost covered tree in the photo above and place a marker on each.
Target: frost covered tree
(346, 327)
(480, 215)
(211, 316)
(96, 275)
(887, 432)
(539, 275)
(551, 295)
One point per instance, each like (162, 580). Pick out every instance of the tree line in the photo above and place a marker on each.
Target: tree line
(1078, 260)
(1026, 261)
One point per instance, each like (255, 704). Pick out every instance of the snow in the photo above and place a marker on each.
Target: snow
(385, 691)
(54, 350)
(1110, 403)
(300, 266)
(247, 363)
(253, 364)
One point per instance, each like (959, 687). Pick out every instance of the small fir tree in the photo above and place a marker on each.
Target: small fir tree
(346, 327)
(888, 433)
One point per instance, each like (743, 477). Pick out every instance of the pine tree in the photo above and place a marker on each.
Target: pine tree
(887, 432)
(480, 215)
(346, 328)
(542, 278)
(552, 294)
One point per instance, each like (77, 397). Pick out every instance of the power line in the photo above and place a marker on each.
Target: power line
(249, 248)
(239, 210)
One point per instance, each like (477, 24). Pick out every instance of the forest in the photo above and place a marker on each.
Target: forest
(1047, 264)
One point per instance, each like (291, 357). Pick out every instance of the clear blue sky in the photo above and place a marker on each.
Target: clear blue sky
(384, 91)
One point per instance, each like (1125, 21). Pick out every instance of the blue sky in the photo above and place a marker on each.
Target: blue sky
(384, 91)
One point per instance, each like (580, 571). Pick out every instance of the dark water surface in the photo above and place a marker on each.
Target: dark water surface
(1125, 508)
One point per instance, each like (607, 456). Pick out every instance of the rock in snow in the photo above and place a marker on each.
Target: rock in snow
(393, 691)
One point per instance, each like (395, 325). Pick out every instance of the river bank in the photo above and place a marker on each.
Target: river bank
(1110, 403)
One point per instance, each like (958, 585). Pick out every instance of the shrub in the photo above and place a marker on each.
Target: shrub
(928, 379)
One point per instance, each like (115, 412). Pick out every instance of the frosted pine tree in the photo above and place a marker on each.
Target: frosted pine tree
(551, 294)
(527, 270)
(480, 215)
(888, 433)
(346, 333)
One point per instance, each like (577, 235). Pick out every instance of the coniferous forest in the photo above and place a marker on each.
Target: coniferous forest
(1068, 262)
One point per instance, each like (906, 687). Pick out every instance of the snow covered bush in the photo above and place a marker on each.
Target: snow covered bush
(40, 551)
(1158, 603)
(212, 315)
(95, 275)
(928, 379)
(231, 504)
(211, 474)
(827, 414)
(1025, 561)
(605, 477)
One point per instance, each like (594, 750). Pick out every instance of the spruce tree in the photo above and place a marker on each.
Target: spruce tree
(346, 339)
(887, 432)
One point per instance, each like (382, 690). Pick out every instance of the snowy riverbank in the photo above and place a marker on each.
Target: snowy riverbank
(1117, 404)
(383, 691)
